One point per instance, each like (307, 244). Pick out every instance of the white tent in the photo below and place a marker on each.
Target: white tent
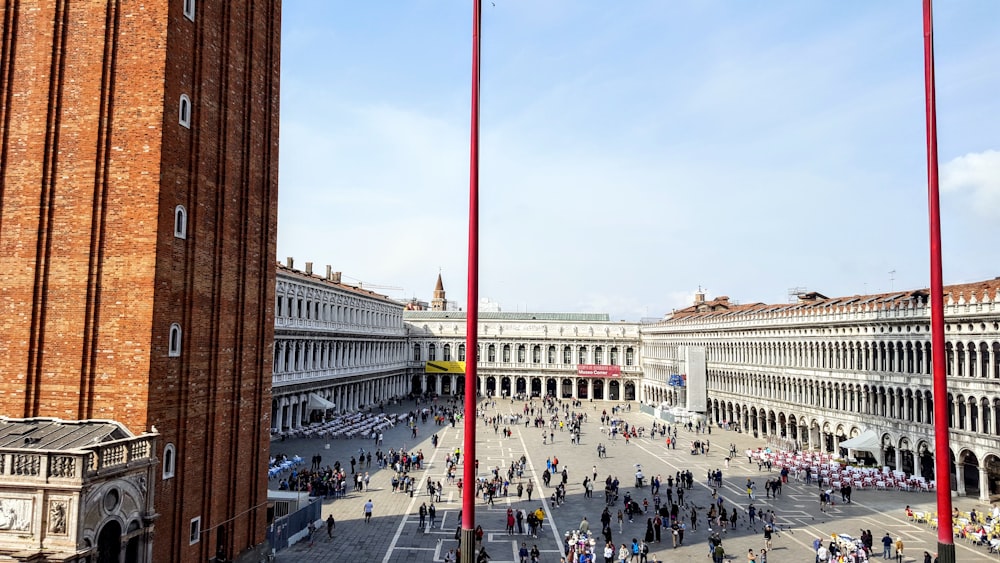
(317, 403)
(867, 441)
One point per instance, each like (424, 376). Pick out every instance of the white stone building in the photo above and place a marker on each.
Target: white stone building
(337, 347)
(821, 371)
(569, 355)
(77, 490)
(812, 373)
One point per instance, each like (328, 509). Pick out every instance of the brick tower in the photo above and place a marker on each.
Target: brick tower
(138, 197)
(439, 302)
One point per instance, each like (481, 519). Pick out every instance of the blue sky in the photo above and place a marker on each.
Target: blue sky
(634, 151)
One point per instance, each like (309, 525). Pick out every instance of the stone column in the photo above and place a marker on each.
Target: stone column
(590, 388)
(986, 361)
(437, 384)
(984, 484)
(959, 478)
(575, 388)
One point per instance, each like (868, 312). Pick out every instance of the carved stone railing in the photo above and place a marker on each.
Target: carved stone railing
(25, 465)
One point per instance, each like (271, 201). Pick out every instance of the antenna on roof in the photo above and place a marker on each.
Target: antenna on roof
(794, 292)
(892, 278)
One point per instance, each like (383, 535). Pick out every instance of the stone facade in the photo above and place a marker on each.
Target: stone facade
(814, 373)
(86, 501)
(529, 354)
(342, 343)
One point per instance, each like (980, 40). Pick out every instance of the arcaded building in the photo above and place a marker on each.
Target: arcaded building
(337, 347)
(583, 356)
(138, 192)
(819, 371)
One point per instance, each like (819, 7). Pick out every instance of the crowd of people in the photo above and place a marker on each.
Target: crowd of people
(669, 506)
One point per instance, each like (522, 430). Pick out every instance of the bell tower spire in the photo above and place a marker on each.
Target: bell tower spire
(439, 302)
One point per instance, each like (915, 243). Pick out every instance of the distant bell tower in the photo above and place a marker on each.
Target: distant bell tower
(439, 303)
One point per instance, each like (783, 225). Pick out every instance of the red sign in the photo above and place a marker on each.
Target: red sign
(590, 370)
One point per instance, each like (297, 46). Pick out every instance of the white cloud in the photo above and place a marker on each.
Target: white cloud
(977, 175)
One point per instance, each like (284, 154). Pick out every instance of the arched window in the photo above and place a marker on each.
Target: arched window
(431, 353)
(184, 111)
(169, 461)
(416, 352)
(180, 222)
(174, 345)
(446, 351)
(461, 352)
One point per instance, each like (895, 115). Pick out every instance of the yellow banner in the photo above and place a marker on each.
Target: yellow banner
(444, 367)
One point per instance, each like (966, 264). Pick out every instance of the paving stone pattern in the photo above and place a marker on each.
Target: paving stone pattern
(393, 536)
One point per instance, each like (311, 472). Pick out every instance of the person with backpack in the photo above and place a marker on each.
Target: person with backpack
(643, 552)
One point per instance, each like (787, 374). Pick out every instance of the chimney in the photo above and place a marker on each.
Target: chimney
(290, 263)
(309, 268)
(335, 278)
(329, 271)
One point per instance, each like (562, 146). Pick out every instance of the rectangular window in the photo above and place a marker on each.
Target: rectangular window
(189, 9)
(195, 536)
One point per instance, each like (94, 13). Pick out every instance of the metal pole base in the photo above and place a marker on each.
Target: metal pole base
(467, 547)
(946, 553)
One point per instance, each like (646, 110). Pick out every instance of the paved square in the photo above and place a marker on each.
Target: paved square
(395, 536)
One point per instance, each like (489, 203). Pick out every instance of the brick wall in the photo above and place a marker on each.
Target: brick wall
(92, 166)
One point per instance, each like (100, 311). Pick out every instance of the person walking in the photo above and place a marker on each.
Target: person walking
(609, 552)
(368, 511)
(330, 525)
(623, 553)
(886, 546)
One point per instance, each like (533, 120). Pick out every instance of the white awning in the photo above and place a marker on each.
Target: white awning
(317, 403)
(867, 441)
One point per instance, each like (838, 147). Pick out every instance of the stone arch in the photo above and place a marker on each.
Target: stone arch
(109, 542)
(968, 463)
(991, 462)
(906, 457)
(889, 450)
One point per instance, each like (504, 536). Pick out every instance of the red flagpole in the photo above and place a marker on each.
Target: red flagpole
(468, 541)
(942, 453)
